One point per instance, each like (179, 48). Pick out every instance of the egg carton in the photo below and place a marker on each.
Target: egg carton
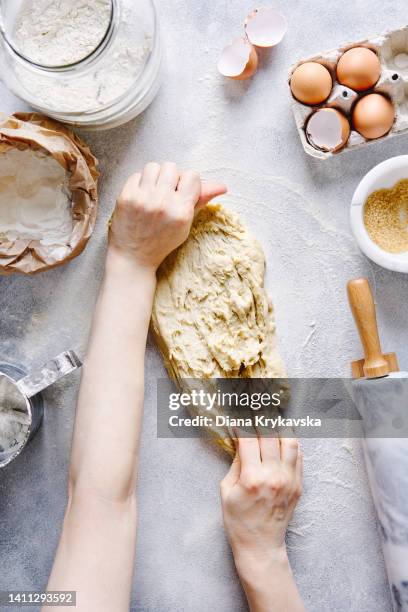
(392, 50)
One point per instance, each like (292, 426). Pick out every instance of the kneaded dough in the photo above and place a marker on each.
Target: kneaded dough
(212, 317)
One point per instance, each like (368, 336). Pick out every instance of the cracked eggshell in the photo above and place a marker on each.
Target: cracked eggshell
(265, 27)
(239, 60)
(328, 129)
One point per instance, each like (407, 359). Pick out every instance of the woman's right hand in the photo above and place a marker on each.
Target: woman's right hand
(155, 210)
(259, 495)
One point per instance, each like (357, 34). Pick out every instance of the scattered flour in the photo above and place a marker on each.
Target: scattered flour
(14, 418)
(35, 201)
(59, 33)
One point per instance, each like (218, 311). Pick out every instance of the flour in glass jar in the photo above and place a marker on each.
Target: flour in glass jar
(61, 32)
(64, 32)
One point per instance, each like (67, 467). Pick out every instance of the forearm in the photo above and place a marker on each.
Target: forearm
(269, 584)
(153, 216)
(96, 552)
(109, 411)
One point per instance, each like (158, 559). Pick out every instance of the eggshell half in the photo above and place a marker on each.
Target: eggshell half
(265, 27)
(239, 60)
(328, 129)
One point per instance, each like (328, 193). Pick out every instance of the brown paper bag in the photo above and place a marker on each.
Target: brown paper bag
(24, 130)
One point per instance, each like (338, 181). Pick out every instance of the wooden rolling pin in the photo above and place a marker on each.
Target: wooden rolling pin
(375, 363)
(381, 396)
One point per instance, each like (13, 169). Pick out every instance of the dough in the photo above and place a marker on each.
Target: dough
(212, 317)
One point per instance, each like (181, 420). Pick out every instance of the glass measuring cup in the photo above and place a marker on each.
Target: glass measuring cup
(21, 405)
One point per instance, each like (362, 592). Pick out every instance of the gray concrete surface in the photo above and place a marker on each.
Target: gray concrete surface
(242, 133)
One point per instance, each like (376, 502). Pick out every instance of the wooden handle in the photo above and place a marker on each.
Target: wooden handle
(357, 367)
(363, 309)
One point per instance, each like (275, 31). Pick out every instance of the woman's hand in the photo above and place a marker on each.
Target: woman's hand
(155, 210)
(259, 495)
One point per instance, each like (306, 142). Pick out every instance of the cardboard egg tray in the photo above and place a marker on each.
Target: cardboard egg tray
(392, 50)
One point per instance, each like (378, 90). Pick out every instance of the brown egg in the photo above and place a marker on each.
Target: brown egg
(311, 83)
(328, 129)
(373, 116)
(359, 68)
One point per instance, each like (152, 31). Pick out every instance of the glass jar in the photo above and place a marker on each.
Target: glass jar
(95, 71)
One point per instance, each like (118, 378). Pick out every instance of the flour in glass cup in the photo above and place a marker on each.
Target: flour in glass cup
(14, 418)
(76, 32)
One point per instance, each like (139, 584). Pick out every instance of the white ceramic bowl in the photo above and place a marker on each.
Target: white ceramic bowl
(385, 175)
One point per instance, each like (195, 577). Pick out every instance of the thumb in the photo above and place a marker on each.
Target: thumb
(210, 191)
